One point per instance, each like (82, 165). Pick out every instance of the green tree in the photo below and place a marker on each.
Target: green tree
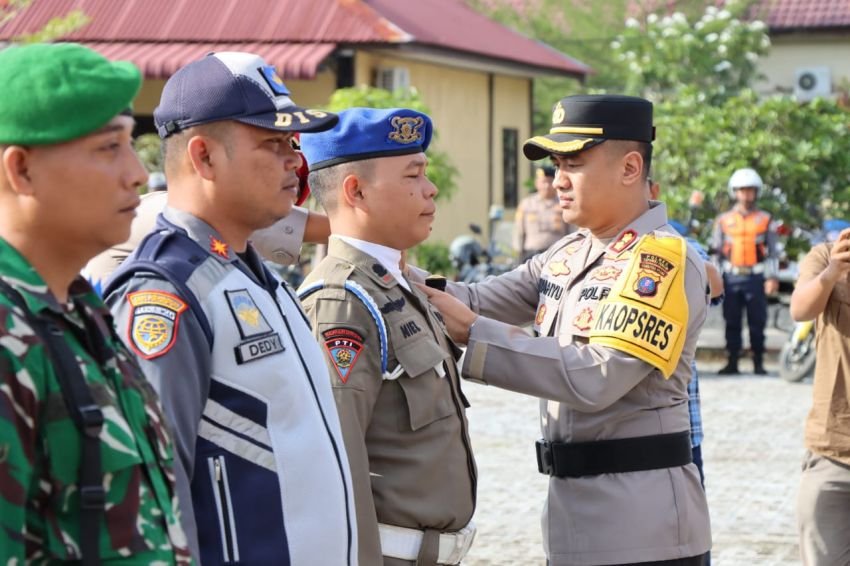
(441, 170)
(55, 28)
(716, 53)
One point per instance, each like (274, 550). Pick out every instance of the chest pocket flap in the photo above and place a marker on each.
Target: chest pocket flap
(427, 392)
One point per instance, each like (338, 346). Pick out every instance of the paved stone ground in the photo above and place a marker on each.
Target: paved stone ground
(752, 451)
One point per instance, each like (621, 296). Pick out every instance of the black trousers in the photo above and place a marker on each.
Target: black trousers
(692, 561)
(701, 560)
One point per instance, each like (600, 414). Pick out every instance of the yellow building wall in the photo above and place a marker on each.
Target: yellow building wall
(789, 53)
(312, 93)
(459, 103)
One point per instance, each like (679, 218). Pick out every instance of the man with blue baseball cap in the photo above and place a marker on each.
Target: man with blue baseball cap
(86, 460)
(224, 341)
(391, 363)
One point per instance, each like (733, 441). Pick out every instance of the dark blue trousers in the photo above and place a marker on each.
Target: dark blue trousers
(744, 292)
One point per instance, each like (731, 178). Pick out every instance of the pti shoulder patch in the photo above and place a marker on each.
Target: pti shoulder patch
(344, 346)
(154, 322)
(646, 313)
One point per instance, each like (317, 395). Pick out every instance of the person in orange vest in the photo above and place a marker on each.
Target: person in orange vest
(745, 241)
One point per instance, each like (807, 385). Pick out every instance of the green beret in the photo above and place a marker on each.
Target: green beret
(57, 92)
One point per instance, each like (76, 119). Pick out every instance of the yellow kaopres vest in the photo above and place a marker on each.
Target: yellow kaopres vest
(646, 313)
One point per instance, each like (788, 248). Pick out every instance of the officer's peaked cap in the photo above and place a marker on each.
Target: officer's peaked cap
(583, 121)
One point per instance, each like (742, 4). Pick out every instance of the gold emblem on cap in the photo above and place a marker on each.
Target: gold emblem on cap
(559, 114)
(406, 129)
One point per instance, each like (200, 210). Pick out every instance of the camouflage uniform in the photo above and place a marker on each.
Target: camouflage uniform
(40, 446)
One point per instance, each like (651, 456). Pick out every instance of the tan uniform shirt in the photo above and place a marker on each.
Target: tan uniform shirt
(406, 437)
(590, 393)
(828, 424)
(538, 224)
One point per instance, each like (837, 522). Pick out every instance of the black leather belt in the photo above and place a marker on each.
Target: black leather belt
(578, 459)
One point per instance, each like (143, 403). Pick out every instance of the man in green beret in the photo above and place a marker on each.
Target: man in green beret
(85, 457)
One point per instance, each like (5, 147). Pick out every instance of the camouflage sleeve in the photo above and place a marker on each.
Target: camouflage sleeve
(21, 394)
(179, 369)
(349, 340)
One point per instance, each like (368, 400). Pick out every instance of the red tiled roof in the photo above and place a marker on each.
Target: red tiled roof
(786, 15)
(161, 60)
(154, 31)
(454, 25)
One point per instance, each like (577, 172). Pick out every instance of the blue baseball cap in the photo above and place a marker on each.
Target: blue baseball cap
(233, 85)
(367, 133)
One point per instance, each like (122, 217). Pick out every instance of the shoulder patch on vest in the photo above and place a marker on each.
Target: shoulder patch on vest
(344, 346)
(154, 322)
(646, 313)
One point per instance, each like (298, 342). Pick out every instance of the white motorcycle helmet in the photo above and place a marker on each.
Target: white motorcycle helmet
(745, 178)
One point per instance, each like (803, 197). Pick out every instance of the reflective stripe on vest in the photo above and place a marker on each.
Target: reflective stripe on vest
(744, 237)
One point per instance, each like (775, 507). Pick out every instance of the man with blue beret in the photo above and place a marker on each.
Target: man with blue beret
(616, 310)
(86, 470)
(391, 362)
(261, 457)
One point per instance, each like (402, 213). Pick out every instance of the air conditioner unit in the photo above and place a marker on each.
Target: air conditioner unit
(811, 83)
(393, 78)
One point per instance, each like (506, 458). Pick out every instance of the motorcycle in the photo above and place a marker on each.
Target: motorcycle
(798, 355)
(471, 260)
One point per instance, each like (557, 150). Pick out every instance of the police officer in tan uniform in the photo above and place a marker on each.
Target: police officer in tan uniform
(539, 223)
(616, 309)
(392, 365)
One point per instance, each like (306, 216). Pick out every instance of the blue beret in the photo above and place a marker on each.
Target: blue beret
(366, 133)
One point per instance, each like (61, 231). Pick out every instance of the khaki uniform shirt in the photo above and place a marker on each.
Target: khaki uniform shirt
(539, 224)
(591, 392)
(828, 424)
(406, 437)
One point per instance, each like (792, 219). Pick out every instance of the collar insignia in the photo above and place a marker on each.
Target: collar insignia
(219, 248)
(624, 242)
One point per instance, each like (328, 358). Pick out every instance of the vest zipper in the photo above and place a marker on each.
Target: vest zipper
(224, 506)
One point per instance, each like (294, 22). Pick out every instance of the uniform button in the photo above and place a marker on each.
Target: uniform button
(288, 229)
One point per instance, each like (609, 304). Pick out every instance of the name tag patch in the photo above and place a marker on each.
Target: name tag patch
(258, 348)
